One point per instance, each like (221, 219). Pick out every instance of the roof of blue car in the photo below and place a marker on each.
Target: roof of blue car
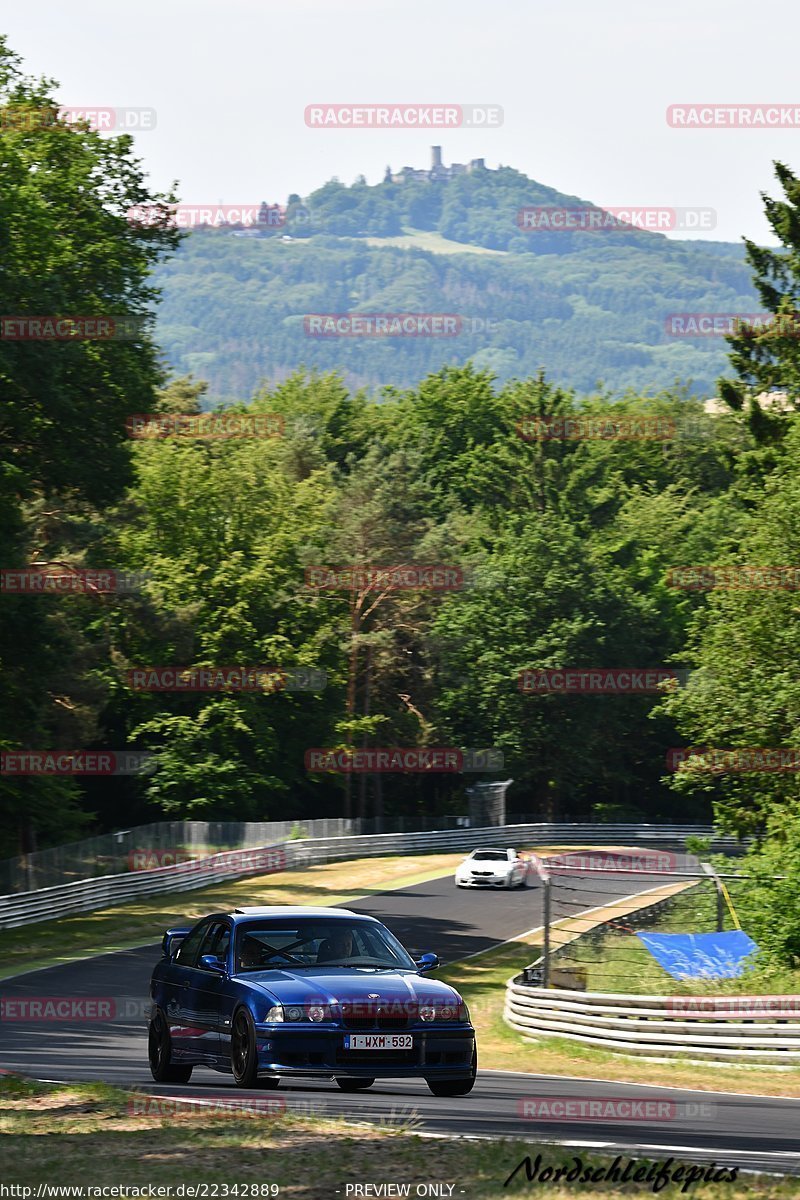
(296, 910)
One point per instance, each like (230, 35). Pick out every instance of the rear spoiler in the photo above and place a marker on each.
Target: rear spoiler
(171, 940)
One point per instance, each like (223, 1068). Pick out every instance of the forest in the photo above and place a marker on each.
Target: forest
(565, 523)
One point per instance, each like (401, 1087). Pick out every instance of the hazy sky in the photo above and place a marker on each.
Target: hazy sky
(584, 88)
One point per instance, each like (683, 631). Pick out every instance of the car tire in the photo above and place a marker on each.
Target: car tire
(455, 1087)
(244, 1056)
(351, 1084)
(159, 1052)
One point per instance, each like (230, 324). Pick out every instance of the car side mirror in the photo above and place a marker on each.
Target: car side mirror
(427, 962)
(171, 942)
(210, 962)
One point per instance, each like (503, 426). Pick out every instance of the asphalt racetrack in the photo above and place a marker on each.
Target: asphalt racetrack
(747, 1131)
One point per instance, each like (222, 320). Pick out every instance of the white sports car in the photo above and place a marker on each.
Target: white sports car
(492, 868)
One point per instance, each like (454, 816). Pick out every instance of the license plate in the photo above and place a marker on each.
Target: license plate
(378, 1041)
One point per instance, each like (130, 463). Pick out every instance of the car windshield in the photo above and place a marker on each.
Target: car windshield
(489, 855)
(305, 942)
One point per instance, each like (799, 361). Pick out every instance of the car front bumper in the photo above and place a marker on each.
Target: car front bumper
(498, 881)
(435, 1054)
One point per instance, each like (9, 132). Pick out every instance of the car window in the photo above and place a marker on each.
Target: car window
(490, 855)
(269, 945)
(215, 941)
(187, 951)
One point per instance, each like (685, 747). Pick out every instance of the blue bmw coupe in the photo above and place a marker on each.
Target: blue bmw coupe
(323, 992)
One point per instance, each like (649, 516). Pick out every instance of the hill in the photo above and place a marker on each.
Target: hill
(587, 306)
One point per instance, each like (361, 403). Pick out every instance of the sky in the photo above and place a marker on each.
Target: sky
(584, 90)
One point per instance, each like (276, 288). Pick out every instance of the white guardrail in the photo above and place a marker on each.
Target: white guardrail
(761, 1029)
(86, 895)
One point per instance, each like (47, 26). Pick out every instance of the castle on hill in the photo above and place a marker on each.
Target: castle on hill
(437, 171)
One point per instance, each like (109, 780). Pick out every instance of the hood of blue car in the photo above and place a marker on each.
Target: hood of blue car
(343, 984)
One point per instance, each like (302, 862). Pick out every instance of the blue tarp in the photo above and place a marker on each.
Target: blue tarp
(700, 955)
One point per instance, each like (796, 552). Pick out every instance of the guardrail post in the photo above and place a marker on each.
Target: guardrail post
(546, 944)
(544, 875)
(712, 874)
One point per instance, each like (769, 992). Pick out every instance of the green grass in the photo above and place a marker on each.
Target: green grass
(616, 961)
(89, 1135)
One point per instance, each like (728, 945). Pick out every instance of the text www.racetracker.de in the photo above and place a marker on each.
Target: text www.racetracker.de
(181, 1191)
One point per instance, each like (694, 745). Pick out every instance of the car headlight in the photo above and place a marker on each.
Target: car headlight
(454, 1011)
(298, 1012)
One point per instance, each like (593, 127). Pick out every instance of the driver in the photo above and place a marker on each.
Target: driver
(250, 952)
(339, 945)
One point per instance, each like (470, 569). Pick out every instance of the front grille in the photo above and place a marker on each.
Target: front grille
(372, 1019)
(377, 1056)
(483, 873)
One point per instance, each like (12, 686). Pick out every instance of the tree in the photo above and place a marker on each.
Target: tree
(767, 359)
(744, 644)
(67, 250)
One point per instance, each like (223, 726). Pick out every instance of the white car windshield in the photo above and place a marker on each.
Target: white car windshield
(489, 856)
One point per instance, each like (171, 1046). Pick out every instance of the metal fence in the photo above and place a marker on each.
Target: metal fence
(116, 853)
(548, 998)
(94, 893)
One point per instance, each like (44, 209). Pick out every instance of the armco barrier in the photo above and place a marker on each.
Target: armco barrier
(726, 1028)
(86, 895)
(655, 1025)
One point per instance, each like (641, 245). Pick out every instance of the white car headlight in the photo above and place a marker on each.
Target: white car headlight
(274, 1015)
